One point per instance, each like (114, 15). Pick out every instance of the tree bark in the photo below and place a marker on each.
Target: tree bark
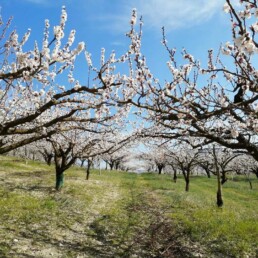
(82, 162)
(49, 159)
(219, 196)
(187, 183)
(255, 171)
(208, 173)
(175, 176)
(88, 170)
(88, 173)
(219, 185)
(160, 169)
(59, 180)
(251, 185)
(117, 165)
(224, 178)
(186, 174)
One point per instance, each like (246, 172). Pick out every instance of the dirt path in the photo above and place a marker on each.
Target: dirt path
(103, 217)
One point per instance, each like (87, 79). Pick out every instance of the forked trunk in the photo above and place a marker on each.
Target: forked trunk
(224, 178)
(186, 174)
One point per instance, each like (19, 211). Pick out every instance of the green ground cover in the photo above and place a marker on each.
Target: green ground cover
(117, 214)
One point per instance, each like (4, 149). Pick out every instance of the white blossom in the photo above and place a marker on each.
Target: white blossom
(226, 8)
(234, 133)
(58, 32)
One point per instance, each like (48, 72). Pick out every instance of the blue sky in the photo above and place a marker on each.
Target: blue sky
(197, 25)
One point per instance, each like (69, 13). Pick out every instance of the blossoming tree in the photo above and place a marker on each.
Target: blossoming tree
(27, 84)
(217, 102)
(184, 157)
(34, 103)
(82, 141)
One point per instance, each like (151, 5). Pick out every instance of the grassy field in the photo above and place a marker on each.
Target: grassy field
(117, 214)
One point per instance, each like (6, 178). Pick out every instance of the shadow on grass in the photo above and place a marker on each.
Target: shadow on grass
(33, 182)
(153, 235)
(155, 240)
(31, 174)
(144, 231)
(139, 228)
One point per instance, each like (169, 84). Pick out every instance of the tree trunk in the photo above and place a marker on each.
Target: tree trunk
(219, 185)
(208, 173)
(59, 179)
(187, 182)
(255, 171)
(249, 181)
(224, 178)
(160, 169)
(186, 174)
(88, 173)
(219, 196)
(88, 170)
(49, 159)
(175, 176)
(82, 162)
(117, 165)
(219, 191)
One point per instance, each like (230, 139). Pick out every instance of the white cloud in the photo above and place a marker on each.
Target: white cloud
(173, 14)
(176, 14)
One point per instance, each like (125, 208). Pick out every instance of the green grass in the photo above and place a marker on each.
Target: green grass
(231, 231)
(117, 214)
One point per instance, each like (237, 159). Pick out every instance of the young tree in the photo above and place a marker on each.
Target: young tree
(183, 156)
(113, 160)
(219, 190)
(85, 141)
(206, 165)
(46, 151)
(245, 165)
(174, 168)
(155, 155)
(89, 164)
(224, 158)
(221, 161)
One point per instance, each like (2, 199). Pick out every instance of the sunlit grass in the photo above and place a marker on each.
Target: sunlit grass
(122, 211)
(231, 231)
